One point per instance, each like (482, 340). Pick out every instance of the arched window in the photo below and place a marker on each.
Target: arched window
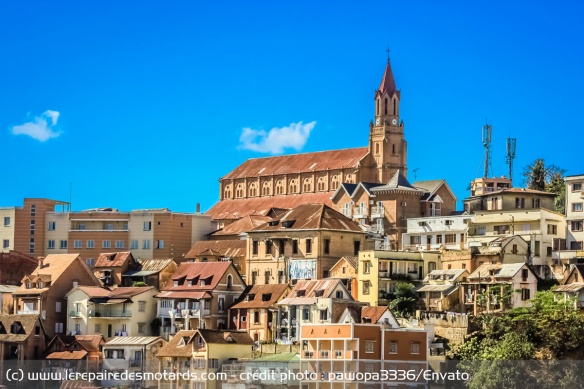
(385, 108)
(239, 191)
(266, 189)
(377, 108)
(350, 179)
(253, 189)
(293, 186)
(335, 182)
(321, 185)
(229, 281)
(394, 107)
(227, 192)
(307, 187)
(376, 148)
(279, 187)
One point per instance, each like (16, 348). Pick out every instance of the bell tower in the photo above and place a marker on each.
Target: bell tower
(387, 144)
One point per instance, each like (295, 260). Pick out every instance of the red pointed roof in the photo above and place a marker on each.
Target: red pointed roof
(387, 82)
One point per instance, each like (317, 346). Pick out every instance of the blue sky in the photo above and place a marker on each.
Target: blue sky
(143, 104)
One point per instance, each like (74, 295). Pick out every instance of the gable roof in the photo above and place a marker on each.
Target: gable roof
(275, 291)
(238, 208)
(502, 270)
(445, 275)
(118, 293)
(350, 260)
(28, 323)
(116, 259)
(211, 272)
(154, 265)
(242, 225)
(299, 163)
(312, 217)
(309, 289)
(54, 265)
(225, 337)
(373, 313)
(398, 182)
(224, 248)
(177, 347)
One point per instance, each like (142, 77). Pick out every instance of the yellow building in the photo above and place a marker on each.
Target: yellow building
(124, 311)
(380, 271)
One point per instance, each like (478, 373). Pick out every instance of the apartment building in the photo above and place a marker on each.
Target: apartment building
(437, 232)
(43, 292)
(575, 213)
(233, 250)
(147, 233)
(524, 212)
(441, 290)
(346, 270)
(123, 311)
(303, 243)
(380, 271)
(332, 354)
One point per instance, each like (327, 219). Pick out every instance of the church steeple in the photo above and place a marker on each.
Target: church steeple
(387, 144)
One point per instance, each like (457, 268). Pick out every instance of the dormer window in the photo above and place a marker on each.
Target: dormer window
(288, 223)
(250, 297)
(175, 283)
(266, 296)
(319, 293)
(190, 283)
(29, 285)
(301, 293)
(273, 222)
(40, 285)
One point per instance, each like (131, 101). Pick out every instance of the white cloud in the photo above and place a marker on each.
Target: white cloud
(276, 140)
(40, 128)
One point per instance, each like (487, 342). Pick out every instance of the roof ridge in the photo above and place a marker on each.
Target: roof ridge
(307, 152)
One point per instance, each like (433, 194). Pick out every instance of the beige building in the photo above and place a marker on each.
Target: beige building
(123, 311)
(198, 295)
(380, 271)
(574, 214)
(43, 292)
(202, 352)
(233, 250)
(441, 290)
(22, 337)
(346, 270)
(284, 182)
(303, 243)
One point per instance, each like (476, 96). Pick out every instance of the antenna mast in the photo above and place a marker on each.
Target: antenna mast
(487, 130)
(511, 147)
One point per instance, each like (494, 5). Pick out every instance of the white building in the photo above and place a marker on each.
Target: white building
(436, 232)
(575, 212)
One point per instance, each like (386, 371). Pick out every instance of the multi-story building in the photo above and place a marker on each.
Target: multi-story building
(524, 212)
(198, 295)
(311, 301)
(385, 208)
(437, 232)
(346, 270)
(43, 292)
(380, 271)
(304, 243)
(333, 353)
(254, 313)
(110, 267)
(78, 353)
(123, 311)
(22, 337)
(23, 228)
(575, 213)
(14, 265)
(441, 290)
(496, 287)
(202, 352)
(284, 182)
(147, 233)
(484, 185)
(233, 250)
(573, 286)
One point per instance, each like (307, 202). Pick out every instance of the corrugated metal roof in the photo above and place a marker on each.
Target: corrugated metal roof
(507, 270)
(275, 291)
(436, 288)
(225, 248)
(244, 224)
(132, 340)
(154, 265)
(282, 357)
(8, 288)
(574, 287)
(113, 259)
(209, 271)
(297, 301)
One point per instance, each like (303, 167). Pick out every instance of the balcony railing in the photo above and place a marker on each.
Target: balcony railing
(110, 313)
(29, 312)
(74, 314)
(377, 212)
(360, 213)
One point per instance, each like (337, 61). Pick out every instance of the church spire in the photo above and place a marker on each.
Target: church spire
(387, 82)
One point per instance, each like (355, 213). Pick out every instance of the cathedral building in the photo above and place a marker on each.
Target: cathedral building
(260, 185)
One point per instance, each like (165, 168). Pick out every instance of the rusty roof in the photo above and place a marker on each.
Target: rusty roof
(349, 259)
(244, 224)
(122, 292)
(573, 287)
(27, 323)
(113, 259)
(238, 208)
(196, 272)
(154, 265)
(299, 163)
(223, 248)
(67, 355)
(311, 217)
(262, 296)
(373, 313)
(179, 346)
(225, 337)
(311, 286)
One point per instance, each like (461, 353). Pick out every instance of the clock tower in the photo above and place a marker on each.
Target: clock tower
(387, 145)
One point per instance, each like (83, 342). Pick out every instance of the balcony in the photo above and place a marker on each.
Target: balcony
(360, 213)
(377, 212)
(110, 313)
(383, 273)
(74, 314)
(28, 312)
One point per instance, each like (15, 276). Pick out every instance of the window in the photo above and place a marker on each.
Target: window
(356, 247)
(119, 244)
(552, 229)
(5, 243)
(438, 239)
(534, 203)
(306, 314)
(415, 240)
(52, 226)
(324, 314)
(450, 238)
(514, 250)
(243, 319)
(90, 244)
(51, 244)
(109, 226)
(412, 268)
(549, 251)
(393, 347)
(75, 284)
(308, 246)
(294, 247)
(142, 306)
(339, 294)
(77, 244)
(576, 207)
(221, 303)
(141, 328)
(366, 267)
(6, 221)
(369, 346)
(147, 226)
(146, 244)
(576, 225)
(133, 244)
(415, 348)
(90, 262)
(268, 247)
(481, 230)
(159, 244)
(254, 247)
(58, 328)
(366, 286)
(519, 202)
(106, 244)
(525, 294)
(501, 229)
(256, 317)
(577, 187)
(327, 246)
(63, 244)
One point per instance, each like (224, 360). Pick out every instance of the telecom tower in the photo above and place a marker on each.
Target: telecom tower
(511, 147)
(487, 130)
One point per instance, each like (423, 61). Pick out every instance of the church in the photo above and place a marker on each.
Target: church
(282, 182)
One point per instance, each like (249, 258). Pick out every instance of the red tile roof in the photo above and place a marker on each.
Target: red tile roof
(65, 355)
(224, 248)
(112, 259)
(373, 313)
(238, 208)
(299, 163)
(197, 271)
(275, 291)
(244, 224)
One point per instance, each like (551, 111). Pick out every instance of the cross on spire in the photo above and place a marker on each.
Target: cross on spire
(387, 54)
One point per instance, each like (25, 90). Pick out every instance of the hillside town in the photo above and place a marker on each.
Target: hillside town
(310, 268)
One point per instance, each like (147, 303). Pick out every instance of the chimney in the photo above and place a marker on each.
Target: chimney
(198, 208)
(41, 259)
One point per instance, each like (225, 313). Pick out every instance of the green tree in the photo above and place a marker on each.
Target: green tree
(406, 299)
(548, 178)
